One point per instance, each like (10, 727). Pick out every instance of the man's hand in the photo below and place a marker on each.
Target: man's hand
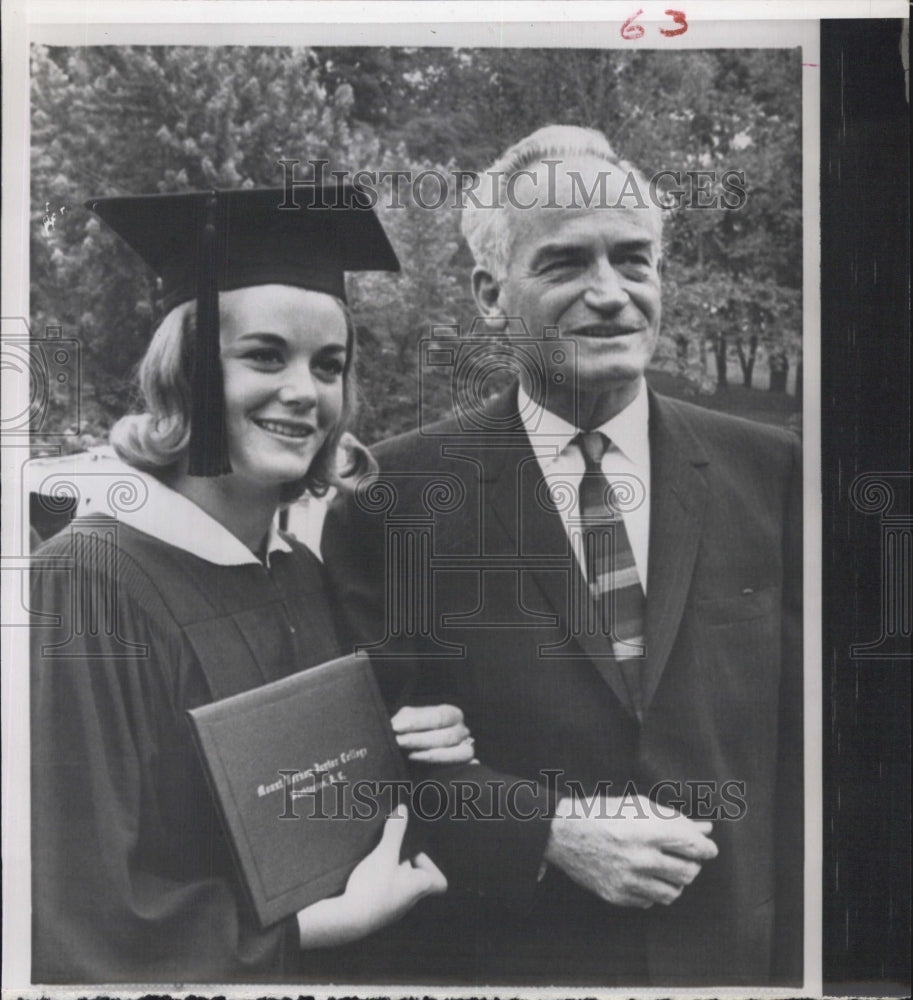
(433, 734)
(380, 890)
(628, 853)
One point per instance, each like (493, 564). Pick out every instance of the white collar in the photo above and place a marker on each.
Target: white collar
(172, 518)
(550, 434)
(159, 511)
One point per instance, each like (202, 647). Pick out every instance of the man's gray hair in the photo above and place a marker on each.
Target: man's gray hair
(485, 221)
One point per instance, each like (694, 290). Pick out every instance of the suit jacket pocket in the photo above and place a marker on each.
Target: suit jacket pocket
(738, 607)
(737, 651)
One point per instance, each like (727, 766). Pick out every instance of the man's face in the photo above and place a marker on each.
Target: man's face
(594, 273)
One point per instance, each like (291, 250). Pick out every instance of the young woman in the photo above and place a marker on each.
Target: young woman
(192, 595)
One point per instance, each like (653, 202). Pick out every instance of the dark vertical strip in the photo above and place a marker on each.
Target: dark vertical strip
(865, 230)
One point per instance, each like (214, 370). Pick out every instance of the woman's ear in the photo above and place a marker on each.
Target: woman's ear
(486, 290)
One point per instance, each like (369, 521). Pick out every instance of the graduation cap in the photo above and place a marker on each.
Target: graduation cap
(203, 242)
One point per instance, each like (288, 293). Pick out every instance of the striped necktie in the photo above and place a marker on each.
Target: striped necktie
(616, 596)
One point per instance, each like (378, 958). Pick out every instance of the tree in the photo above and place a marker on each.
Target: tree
(115, 120)
(139, 120)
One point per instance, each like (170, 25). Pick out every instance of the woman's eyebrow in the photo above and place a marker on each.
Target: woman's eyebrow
(271, 338)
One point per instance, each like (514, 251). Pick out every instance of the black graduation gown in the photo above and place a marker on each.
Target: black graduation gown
(132, 877)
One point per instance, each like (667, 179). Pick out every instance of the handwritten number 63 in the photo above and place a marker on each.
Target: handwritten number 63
(630, 30)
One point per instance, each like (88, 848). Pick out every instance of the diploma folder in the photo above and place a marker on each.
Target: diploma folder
(297, 768)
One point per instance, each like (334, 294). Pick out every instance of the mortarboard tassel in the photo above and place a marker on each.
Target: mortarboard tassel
(208, 449)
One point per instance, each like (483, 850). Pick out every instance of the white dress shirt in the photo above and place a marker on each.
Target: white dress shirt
(626, 464)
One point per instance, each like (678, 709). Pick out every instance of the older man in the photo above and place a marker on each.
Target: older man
(614, 599)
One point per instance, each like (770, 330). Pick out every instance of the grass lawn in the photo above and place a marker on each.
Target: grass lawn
(779, 408)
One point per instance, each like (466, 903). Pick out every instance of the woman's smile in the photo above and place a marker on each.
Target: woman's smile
(285, 428)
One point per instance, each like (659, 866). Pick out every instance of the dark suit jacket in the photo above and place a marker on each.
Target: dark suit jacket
(721, 686)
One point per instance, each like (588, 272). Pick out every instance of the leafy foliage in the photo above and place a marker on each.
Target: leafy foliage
(115, 120)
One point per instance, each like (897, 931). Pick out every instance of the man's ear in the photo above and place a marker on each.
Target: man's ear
(486, 290)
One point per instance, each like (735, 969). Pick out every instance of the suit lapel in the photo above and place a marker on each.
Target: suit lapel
(513, 494)
(523, 526)
(677, 503)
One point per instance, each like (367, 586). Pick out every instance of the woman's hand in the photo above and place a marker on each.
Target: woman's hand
(433, 734)
(380, 890)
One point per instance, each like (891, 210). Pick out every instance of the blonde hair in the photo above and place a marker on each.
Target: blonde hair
(486, 226)
(156, 439)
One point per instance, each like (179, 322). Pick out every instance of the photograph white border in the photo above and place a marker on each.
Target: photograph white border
(545, 24)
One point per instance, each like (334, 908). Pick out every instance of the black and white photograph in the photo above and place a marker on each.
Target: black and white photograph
(415, 511)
